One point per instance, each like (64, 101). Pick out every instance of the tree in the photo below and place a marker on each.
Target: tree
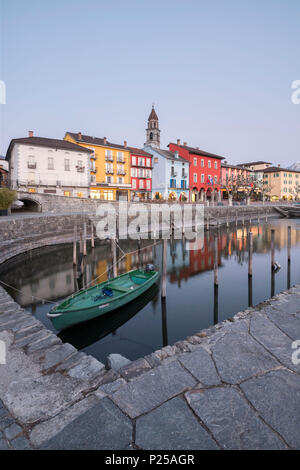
(239, 185)
(7, 197)
(296, 192)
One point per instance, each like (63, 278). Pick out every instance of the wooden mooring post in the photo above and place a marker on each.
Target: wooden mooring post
(272, 249)
(164, 322)
(216, 259)
(84, 239)
(164, 270)
(75, 246)
(92, 236)
(250, 253)
(114, 257)
(80, 242)
(289, 243)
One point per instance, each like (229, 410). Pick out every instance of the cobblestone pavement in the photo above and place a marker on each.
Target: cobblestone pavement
(232, 386)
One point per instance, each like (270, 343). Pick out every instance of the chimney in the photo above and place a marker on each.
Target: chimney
(30, 133)
(185, 144)
(178, 141)
(79, 136)
(279, 166)
(125, 143)
(105, 140)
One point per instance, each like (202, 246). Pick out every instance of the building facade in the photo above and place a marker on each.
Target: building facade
(282, 183)
(49, 166)
(141, 174)
(170, 175)
(3, 172)
(204, 171)
(110, 167)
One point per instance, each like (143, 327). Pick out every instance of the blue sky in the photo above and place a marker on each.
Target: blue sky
(219, 72)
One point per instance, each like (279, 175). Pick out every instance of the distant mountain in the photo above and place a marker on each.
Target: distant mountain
(295, 166)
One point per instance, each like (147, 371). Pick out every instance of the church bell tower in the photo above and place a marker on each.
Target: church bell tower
(152, 131)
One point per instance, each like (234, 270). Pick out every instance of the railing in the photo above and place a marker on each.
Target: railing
(184, 175)
(174, 173)
(94, 170)
(121, 172)
(120, 159)
(80, 169)
(109, 158)
(109, 171)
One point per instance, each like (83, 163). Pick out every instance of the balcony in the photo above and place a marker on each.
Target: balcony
(109, 171)
(173, 174)
(32, 166)
(80, 169)
(93, 157)
(120, 160)
(184, 174)
(109, 158)
(94, 170)
(121, 172)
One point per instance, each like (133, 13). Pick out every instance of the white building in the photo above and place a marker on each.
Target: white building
(49, 166)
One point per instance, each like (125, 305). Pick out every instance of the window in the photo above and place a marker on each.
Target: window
(67, 164)
(195, 177)
(202, 163)
(216, 165)
(108, 179)
(209, 164)
(155, 159)
(141, 184)
(133, 184)
(133, 172)
(141, 161)
(202, 178)
(50, 163)
(80, 194)
(216, 179)
(148, 184)
(148, 173)
(195, 161)
(31, 162)
(133, 161)
(120, 180)
(148, 161)
(108, 195)
(67, 193)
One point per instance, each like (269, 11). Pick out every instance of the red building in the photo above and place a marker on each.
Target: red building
(141, 174)
(205, 171)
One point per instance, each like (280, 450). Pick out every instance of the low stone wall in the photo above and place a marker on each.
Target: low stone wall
(21, 234)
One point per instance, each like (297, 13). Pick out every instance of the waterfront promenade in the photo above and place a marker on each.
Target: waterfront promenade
(233, 386)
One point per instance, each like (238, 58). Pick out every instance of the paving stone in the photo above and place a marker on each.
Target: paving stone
(3, 444)
(238, 356)
(290, 304)
(12, 431)
(45, 430)
(6, 421)
(153, 360)
(274, 340)
(134, 369)
(232, 421)
(41, 334)
(57, 355)
(116, 361)
(86, 369)
(276, 397)
(289, 324)
(21, 443)
(102, 427)
(112, 387)
(24, 332)
(3, 412)
(201, 365)
(172, 426)
(71, 362)
(152, 389)
(42, 344)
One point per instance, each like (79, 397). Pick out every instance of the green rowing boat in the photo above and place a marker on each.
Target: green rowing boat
(102, 298)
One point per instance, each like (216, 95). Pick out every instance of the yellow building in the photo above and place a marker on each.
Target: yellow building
(282, 183)
(110, 167)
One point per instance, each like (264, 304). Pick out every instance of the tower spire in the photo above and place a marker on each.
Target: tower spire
(152, 131)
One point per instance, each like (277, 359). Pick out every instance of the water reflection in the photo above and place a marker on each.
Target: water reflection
(192, 301)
